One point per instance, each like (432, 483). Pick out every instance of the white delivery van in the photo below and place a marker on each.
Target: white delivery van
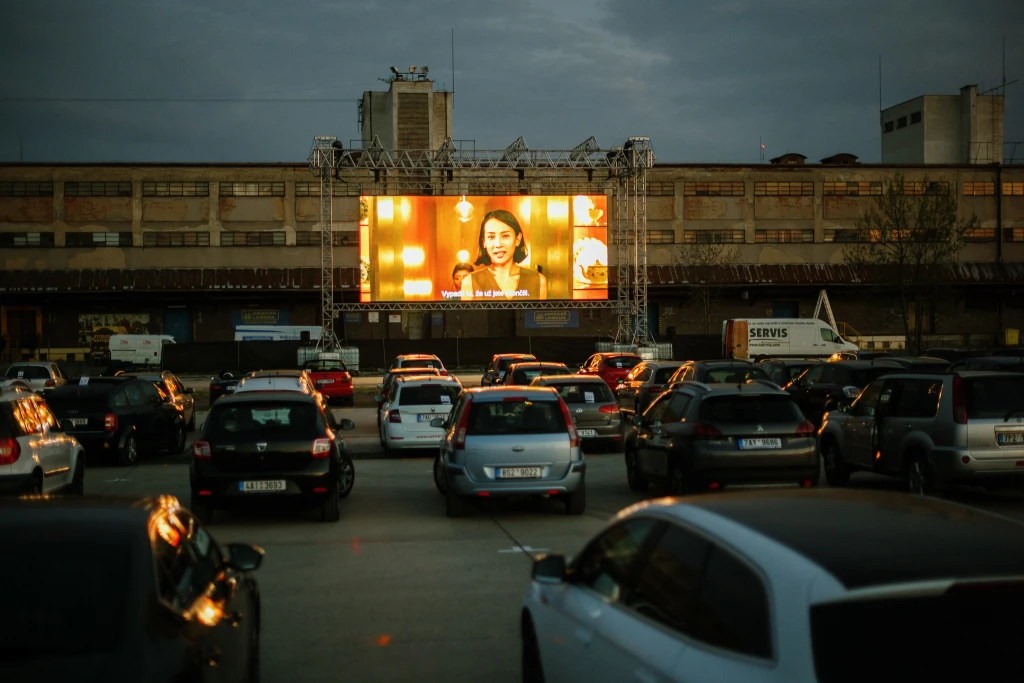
(749, 338)
(139, 349)
(274, 332)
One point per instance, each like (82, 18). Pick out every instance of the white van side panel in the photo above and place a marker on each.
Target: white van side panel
(138, 349)
(788, 337)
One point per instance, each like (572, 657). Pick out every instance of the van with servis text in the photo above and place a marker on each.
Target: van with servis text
(751, 338)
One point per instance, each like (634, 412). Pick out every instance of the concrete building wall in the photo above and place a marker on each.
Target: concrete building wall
(953, 129)
(903, 144)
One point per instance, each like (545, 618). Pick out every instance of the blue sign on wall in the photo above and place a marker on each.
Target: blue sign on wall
(353, 318)
(259, 316)
(437, 318)
(536, 320)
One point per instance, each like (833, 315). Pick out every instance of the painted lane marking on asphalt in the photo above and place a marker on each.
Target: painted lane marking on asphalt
(522, 549)
(117, 481)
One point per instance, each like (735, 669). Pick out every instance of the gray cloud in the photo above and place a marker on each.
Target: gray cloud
(703, 80)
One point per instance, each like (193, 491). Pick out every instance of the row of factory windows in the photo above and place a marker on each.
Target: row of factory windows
(854, 188)
(903, 122)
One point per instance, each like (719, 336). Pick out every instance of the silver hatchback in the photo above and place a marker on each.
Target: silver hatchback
(510, 441)
(593, 407)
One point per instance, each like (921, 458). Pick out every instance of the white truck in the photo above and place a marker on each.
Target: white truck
(275, 332)
(146, 350)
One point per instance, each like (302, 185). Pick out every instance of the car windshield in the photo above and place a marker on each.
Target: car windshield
(760, 409)
(527, 375)
(734, 375)
(282, 420)
(505, 362)
(990, 398)
(622, 362)
(428, 394)
(86, 615)
(584, 392)
(516, 417)
(28, 372)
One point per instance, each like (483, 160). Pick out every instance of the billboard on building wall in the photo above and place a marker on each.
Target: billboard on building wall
(94, 329)
(470, 248)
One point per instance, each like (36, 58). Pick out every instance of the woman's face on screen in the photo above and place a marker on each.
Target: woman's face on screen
(500, 242)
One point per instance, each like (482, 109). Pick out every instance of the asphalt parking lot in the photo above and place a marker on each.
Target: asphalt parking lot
(396, 591)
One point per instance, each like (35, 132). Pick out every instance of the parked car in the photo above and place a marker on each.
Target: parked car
(510, 441)
(521, 374)
(495, 371)
(41, 376)
(119, 417)
(124, 590)
(36, 455)
(332, 379)
(859, 354)
(775, 586)
(181, 397)
(277, 380)
(415, 401)
(700, 437)
(593, 407)
(996, 363)
(611, 367)
(275, 444)
(782, 371)
(225, 383)
(418, 360)
(828, 386)
(643, 384)
(918, 364)
(719, 372)
(386, 386)
(15, 385)
(931, 430)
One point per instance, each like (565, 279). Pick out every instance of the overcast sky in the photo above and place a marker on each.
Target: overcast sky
(704, 80)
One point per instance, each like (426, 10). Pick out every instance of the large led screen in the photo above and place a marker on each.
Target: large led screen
(509, 248)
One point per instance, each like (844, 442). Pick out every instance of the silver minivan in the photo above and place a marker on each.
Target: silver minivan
(510, 441)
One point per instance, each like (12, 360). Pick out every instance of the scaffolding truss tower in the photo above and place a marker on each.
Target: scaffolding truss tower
(323, 160)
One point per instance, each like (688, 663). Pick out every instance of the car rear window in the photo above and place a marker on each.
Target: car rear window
(862, 378)
(584, 392)
(428, 394)
(735, 375)
(663, 375)
(526, 375)
(427, 363)
(752, 408)
(622, 362)
(516, 417)
(991, 398)
(28, 372)
(505, 362)
(98, 388)
(280, 420)
(326, 366)
(7, 421)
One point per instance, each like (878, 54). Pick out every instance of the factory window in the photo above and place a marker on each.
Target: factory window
(784, 189)
(915, 117)
(255, 238)
(979, 189)
(783, 235)
(30, 188)
(311, 238)
(97, 239)
(100, 188)
(901, 122)
(889, 126)
(168, 238)
(931, 188)
(980, 235)
(660, 188)
(26, 239)
(852, 188)
(661, 236)
(845, 235)
(1014, 189)
(165, 188)
(1013, 235)
(255, 189)
(714, 237)
(732, 189)
(306, 189)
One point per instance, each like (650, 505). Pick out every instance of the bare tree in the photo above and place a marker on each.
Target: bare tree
(913, 234)
(700, 262)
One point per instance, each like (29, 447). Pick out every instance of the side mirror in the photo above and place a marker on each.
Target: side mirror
(347, 425)
(437, 422)
(244, 557)
(548, 569)
(620, 381)
(189, 390)
(378, 398)
(637, 421)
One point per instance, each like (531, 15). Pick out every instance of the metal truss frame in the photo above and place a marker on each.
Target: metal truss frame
(323, 159)
(478, 305)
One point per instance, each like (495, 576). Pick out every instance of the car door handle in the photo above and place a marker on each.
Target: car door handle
(585, 636)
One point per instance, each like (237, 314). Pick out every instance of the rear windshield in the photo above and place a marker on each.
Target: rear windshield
(282, 420)
(736, 375)
(428, 395)
(516, 417)
(622, 362)
(862, 378)
(759, 409)
(505, 362)
(326, 366)
(663, 375)
(28, 372)
(584, 392)
(98, 388)
(526, 375)
(991, 398)
(421, 363)
(6, 420)
(916, 625)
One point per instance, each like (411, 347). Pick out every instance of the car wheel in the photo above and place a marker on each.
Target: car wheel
(533, 671)
(633, 478)
(439, 478)
(921, 477)
(331, 508)
(677, 481)
(346, 476)
(576, 502)
(36, 487)
(455, 505)
(129, 453)
(177, 445)
(837, 472)
(77, 485)
(201, 509)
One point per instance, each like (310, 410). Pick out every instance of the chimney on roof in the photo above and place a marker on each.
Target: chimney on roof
(841, 159)
(789, 159)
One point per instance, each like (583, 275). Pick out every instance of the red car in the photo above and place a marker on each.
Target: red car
(610, 366)
(331, 378)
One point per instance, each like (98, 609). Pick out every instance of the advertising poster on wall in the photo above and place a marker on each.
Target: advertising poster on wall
(94, 329)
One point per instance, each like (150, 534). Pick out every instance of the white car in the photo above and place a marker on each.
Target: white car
(36, 456)
(415, 401)
(277, 380)
(39, 375)
(802, 585)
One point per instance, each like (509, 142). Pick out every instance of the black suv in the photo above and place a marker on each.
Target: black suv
(829, 386)
(782, 371)
(718, 372)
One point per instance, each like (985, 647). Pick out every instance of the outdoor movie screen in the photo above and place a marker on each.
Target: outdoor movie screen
(505, 248)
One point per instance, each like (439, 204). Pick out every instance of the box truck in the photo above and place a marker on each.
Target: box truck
(751, 338)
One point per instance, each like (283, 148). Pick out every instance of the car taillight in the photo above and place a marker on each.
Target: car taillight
(611, 408)
(805, 429)
(110, 422)
(201, 450)
(706, 431)
(49, 383)
(444, 373)
(851, 392)
(460, 429)
(574, 437)
(346, 379)
(322, 448)
(10, 451)
(959, 401)
(395, 416)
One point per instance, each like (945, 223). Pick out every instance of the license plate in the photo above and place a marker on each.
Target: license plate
(755, 444)
(519, 473)
(1008, 438)
(325, 381)
(261, 486)
(79, 421)
(229, 388)
(587, 432)
(424, 417)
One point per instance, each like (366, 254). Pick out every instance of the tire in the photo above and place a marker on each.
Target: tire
(330, 510)
(128, 454)
(533, 670)
(455, 505)
(576, 502)
(37, 484)
(837, 472)
(76, 487)
(921, 477)
(202, 510)
(633, 478)
(677, 481)
(176, 446)
(439, 478)
(346, 476)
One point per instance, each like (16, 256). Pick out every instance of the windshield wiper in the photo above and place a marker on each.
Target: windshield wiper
(1006, 418)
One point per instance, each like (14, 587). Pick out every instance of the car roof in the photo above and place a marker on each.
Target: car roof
(278, 373)
(724, 362)
(542, 364)
(145, 375)
(858, 364)
(793, 361)
(748, 387)
(418, 356)
(92, 512)
(545, 380)
(496, 394)
(263, 396)
(432, 379)
(872, 538)
(514, 355)
(617, 354)
(414, 371)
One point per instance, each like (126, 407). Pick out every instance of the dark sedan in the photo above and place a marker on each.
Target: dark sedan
(274, 444)
(225, 384)
(121, 590)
